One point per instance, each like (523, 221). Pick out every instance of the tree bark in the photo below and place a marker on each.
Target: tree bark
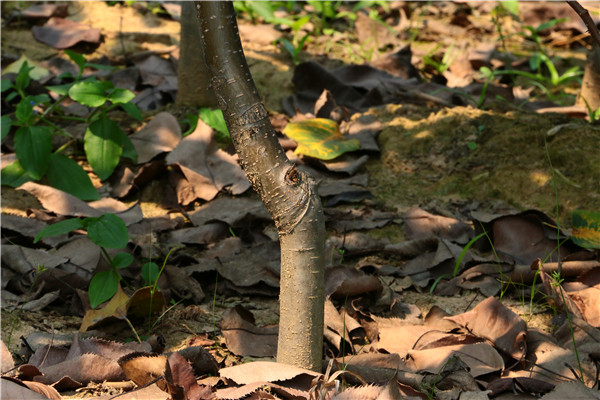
(289, 194)
(193, 76)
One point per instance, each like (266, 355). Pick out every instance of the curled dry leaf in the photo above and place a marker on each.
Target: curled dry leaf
(491, 320)
(208, 168)
(9, 389)
(342, 282)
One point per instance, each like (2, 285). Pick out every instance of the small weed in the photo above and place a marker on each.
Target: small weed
(109, 232)
(104, 142)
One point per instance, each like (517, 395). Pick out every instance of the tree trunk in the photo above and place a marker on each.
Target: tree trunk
(193, 76)
(289, 194)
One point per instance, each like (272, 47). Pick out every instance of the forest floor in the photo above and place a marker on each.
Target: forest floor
(445, 154)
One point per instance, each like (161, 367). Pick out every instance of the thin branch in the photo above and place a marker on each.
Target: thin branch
(587, 20)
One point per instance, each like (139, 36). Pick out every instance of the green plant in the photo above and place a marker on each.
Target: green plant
(440, 65)
(104, 142)
(594, 115)
(472, 145)
(107, 231)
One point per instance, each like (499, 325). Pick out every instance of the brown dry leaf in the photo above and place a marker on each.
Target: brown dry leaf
(9, 389)
(138, 306)
(143, 368)
(45, 11)
(29, 227)
(244, 338)
(82, 370)
(63, 203)
(258, 391)
(266, 371)
(491, 320)
(6, 360)
(61, 33)
(126, 177)
(180, 380)
(342, 282)
(527, 385)
(160, 135)
(588, 301)
(158, 72)
(231, 211)
(208, 168)
(371, 392)
(83, 256)
(115, 308)
(378, 368)
(205, 234)
(419, 224)
(572, 390)
(480, 357)
(336, 332)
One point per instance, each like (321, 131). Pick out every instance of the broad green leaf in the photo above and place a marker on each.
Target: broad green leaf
(14, 175)
(33, 145)
(5, 85)
(77, 58)
(122, 260)
(320, 138)
(132, 110)
(586, 229)
(5, 124)
(59, 228)
(23, 78)
(150, 272)
(103, 145)
(60, 89)
(68, 176)
(192, 119)
(24, 112)
(129, 150)
(121, 96)
(108, 231)
(90, 93)
(103, 286)
(511, 6)
(214, 119)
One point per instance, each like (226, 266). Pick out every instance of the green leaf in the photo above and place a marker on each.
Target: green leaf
(129, 150)
(24, 111)
(132, 110)
(512, 6)
(122, 260)
(14, 175)
(320, 138)
(5, 85)
(5, 124)
(214, 119)
(77, 58)
(33, 146)
(68, 176)
(193, 122)
(90, 93)
(23, 79)
(586, 229)
(59, 228)
(60, 89)
(103, 286)
(120, 96)
(103, 145)
(150, 272)
(108, 231)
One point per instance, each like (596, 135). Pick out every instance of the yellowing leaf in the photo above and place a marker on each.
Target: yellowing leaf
(320, 138)
(115, 308)
(586, 229)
